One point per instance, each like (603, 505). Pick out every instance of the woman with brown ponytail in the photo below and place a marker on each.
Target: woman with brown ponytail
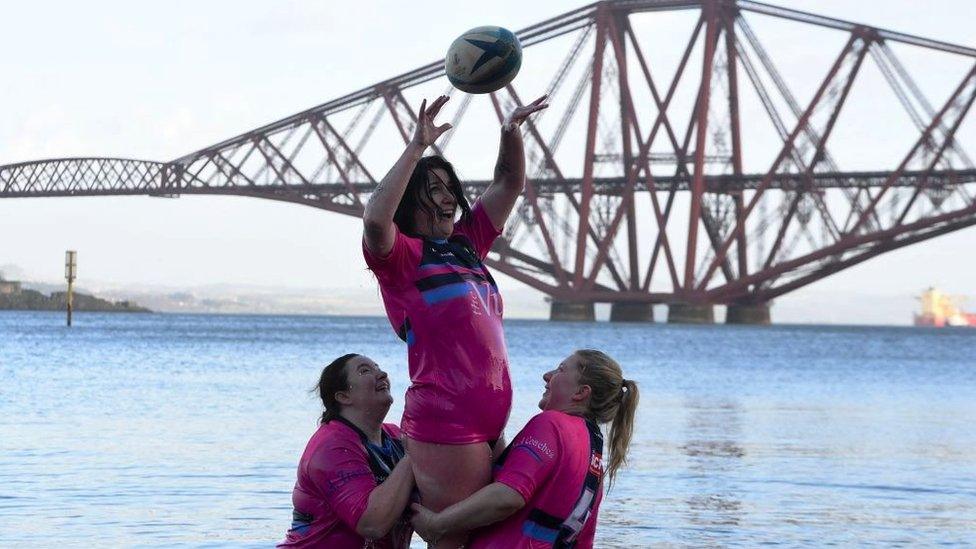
(354, 481)
(548, 483)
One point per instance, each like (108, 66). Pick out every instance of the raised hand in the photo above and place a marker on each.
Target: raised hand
(426, 133)
(520, 114)
(423, 519)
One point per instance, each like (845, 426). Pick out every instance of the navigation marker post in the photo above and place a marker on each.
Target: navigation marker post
(70, 273)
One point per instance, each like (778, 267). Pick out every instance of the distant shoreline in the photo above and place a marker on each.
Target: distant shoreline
(653, 325)
(32, 300)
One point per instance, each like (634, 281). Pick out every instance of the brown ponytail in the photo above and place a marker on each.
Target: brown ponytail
(333, 380)
(613, 400)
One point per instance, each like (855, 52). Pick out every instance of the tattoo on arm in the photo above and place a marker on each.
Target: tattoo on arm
(377, 192)
(509, 164)
(503, 168)
(385, 197)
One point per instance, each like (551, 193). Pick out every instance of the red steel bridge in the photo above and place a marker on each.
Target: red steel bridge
(691, 172)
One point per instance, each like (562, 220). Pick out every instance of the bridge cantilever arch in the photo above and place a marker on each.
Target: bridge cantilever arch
(692, 173)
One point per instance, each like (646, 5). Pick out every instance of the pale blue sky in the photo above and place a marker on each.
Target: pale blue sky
(158, 80)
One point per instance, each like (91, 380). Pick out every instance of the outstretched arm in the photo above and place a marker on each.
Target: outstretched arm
(489, 505)
(499, 199)
(378, 231)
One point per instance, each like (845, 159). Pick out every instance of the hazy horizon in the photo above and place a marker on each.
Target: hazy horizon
(809, 307)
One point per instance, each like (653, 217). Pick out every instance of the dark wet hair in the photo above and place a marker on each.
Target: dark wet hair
(333, 380)
(418, 186)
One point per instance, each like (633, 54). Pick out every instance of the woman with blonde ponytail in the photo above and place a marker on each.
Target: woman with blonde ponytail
(549, 481)
(614, 401)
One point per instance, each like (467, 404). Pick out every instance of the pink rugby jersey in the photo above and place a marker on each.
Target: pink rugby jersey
(555, 464)
(335, 478)
(443, 302)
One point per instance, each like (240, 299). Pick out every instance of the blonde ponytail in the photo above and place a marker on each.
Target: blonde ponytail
(613, 400)
(622, 427)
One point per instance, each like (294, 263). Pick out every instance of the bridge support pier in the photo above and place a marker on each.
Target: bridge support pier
(751, 313)
(631, 311)
(691, 313)
(573, 311)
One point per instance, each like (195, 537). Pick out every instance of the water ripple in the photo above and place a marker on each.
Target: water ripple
(185, 431)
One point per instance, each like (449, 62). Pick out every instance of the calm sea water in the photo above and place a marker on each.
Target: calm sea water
(161, 430)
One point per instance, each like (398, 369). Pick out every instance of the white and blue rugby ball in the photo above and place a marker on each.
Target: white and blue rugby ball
(483, 60)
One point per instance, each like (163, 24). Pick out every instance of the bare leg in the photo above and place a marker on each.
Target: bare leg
(447, 474)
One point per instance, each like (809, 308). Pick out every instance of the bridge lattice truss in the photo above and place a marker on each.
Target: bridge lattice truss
(660, 206)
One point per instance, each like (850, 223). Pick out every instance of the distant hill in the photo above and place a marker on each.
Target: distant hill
(32, 300)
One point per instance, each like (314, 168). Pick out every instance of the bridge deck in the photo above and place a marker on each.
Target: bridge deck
(112, 177)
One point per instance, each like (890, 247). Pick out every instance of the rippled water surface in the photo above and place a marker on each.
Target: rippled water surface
(185, 430)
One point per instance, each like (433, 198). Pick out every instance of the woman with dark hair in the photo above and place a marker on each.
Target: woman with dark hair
(443, 302)
(354, 480)
(549, 481)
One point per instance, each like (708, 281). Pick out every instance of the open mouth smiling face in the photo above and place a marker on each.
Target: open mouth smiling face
(561, 384)
(369, 385)
(442, 203)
